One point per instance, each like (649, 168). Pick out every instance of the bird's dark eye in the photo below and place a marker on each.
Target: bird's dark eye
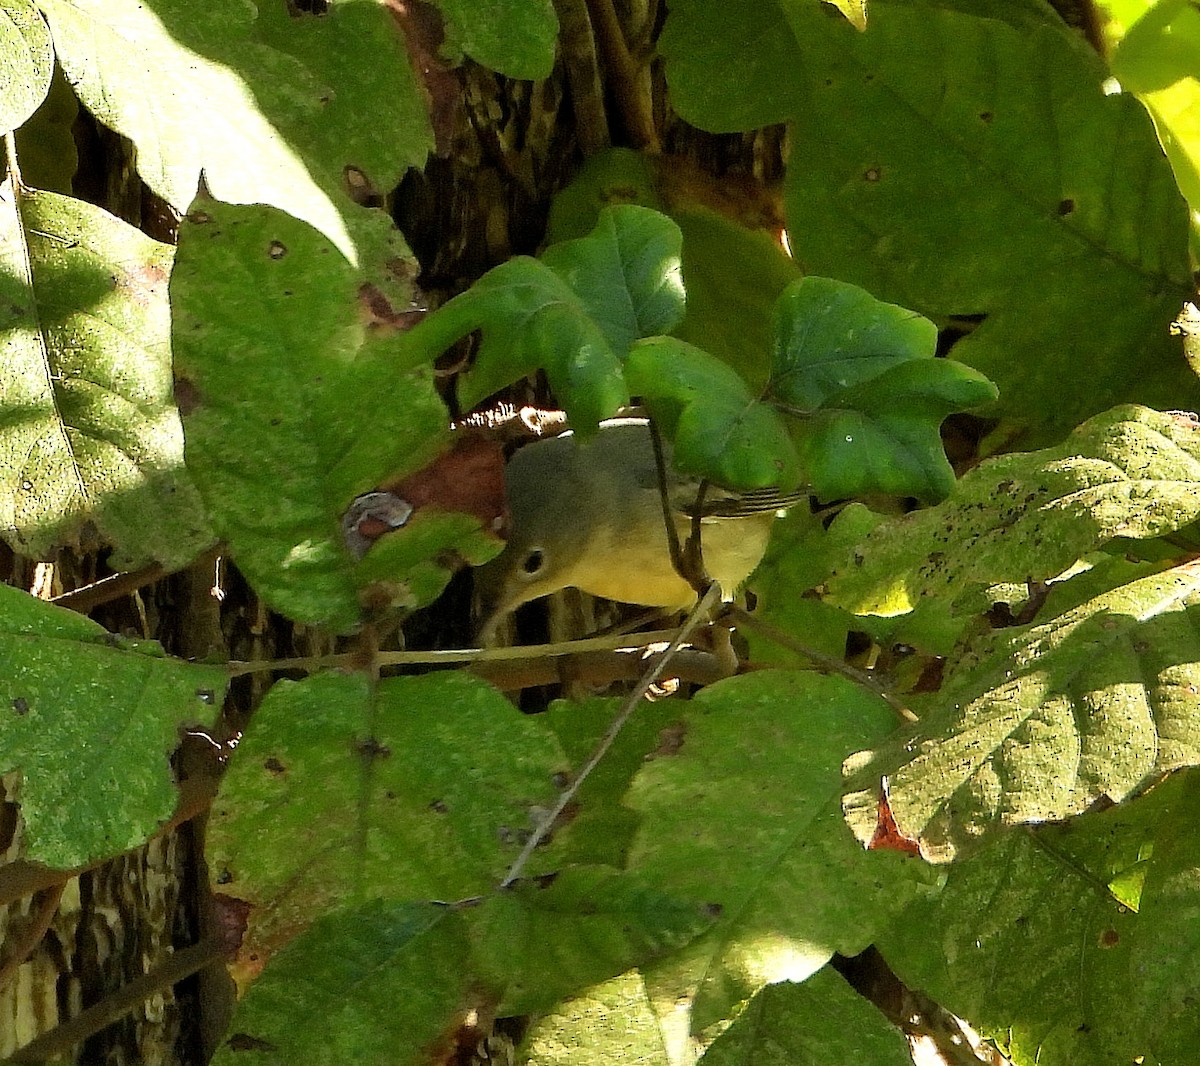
(534, 561)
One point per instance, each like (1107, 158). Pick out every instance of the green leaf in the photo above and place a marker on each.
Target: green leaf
(831, 336)
(614, 176)
(88, 427)
(376, 983)
(91, 722)
(733, 277)
(1069, 944)
(27, 60)
(882, 435)
(798, 558)
(1037, 723)
(46, 148)
(514, 37)
(548, 938)
(719, 430)
(1130, 472)
(729, 74)
(530, 319)
(614, 1023)
(602, 827)
(292, 409)
(728, 310)
(1158, 58)
(410, 564)
(626, 273)
(985, 173)
(792, 884)
(273, 109)
(822, 1022)
(422, 789)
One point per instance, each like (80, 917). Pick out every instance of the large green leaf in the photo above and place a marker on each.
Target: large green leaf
(89, 432)
(547, 938)
(515, 37)
(831, 336)
(1070, 945)
(421, 789)
(292, 408)
(574, 313)
(984, 173)
(626, 272)
(719, 430)
(1037, 723)
(791, 883)
(91, 722)
(293, 112)
(882, 435)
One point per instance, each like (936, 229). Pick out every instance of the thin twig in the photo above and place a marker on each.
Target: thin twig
(698, 614)
(823, 661)
(611, 642)
(109, 588)
(64, 1037)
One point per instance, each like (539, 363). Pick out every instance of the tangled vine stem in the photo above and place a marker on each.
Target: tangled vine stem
(698, 615)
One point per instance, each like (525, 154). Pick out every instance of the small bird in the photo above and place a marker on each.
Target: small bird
(588, 515)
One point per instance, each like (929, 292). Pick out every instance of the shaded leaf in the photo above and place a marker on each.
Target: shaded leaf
(91, 721)
(1069, 944)
(729, 310)
(88, 426)
(46, 147)
(547, 938)
(514, 37)
(882, 435)
(831, 336)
